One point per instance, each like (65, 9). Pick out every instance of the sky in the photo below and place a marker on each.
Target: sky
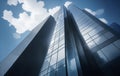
(19, 17)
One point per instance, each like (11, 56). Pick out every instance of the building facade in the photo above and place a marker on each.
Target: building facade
(70, 43)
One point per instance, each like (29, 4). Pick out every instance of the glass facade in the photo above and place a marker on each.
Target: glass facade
(63, 56)
(54, 63)
(102, 42)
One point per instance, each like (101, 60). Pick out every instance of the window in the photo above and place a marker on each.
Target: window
(53, 59)
(117, 43)
(91, 44)
(101, 58)
(55, 46)
(95, 31)
(97, 35)
(61, 71)
(86, 36)
(87, 30)
(100, 40)
(90, 39)
(43, 73)
(61, 42)
(61, 54)
(46, 64)
(53, 73)
(108, 35)
(49, 50)
(111, 51)
(61, 63)
(61, 37)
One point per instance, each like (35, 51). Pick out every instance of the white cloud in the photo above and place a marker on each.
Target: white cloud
(103, 20)
(26, 22)
(53, 10)
(97, 13)
(12, 2)
(67, 3)
(16, 35)
(90, 11)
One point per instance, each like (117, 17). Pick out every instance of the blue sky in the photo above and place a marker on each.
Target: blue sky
(19, 17)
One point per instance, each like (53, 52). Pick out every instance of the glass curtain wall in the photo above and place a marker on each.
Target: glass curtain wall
(54, 63)
(103, 43)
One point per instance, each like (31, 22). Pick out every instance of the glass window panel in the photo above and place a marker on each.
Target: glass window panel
(55, 43)
(61, 36)
(62, 46)
(96, 30)
(53, 59)
(100, 40)
(57, 34)
(90, 39)
(95, 36)
(52, 68)
(87, 30)
(61, 63)
(61, 31)
(55, 46)
(46, 63)
(61, 54)
(83, 29)
(57, 38)
(57, 29)
(49, 54)
(43, 73)
(108, 35)
(49, 51)
(86, 36)
(83, 25)
(54, 51)
(52, 73)
(91, 44)
(61, 71)
(100, 57)
(61, 42)
(52, 41)
(90, 25)
(111, 51)
(117, 43)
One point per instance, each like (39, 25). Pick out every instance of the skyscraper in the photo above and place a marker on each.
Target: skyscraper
(70, 43)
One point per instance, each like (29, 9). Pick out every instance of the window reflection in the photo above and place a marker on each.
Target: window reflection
(61, 55)
(111, 52)
(108, 35)
(54, 62)
(43, 73)
(101, 58)
(95, 31)
(86, 37)
(91, 44)
(53, 59)
(100, 40)
(117, 43)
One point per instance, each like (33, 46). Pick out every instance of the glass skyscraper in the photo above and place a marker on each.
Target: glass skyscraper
(71, 43)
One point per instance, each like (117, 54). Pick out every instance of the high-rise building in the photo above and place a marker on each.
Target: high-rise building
(71, 43)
